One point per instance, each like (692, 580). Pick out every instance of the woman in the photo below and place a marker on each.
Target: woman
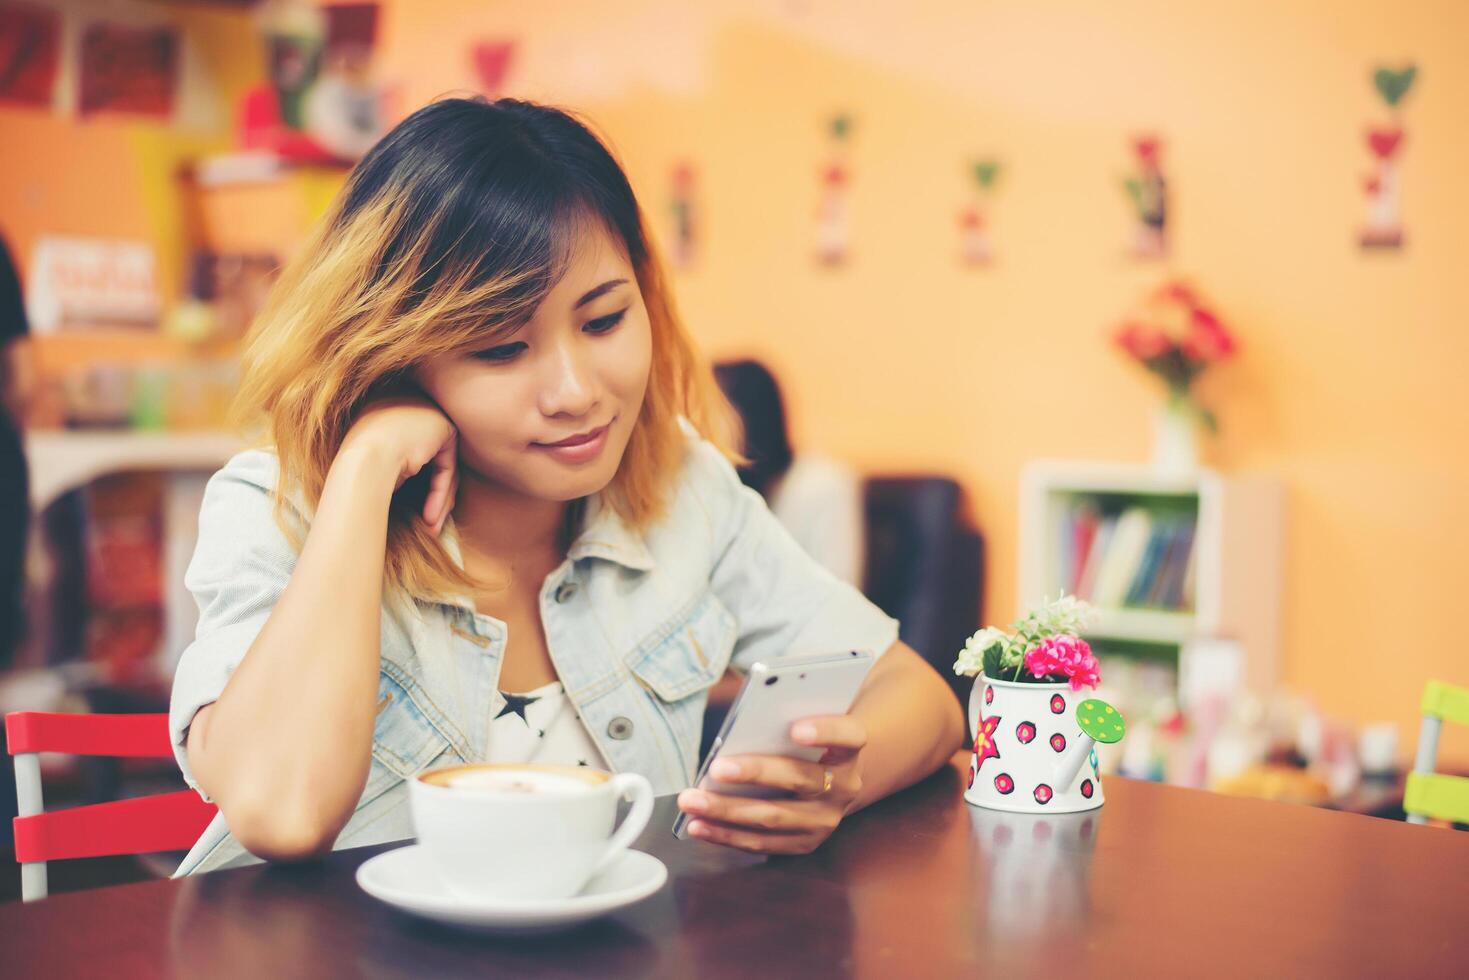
(493, 523)
(818, 500)
(16, 384)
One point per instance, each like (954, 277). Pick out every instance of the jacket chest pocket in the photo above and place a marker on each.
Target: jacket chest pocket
(676, 666)
(405, 741)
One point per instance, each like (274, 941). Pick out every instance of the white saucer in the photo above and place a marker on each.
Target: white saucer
(403, 878)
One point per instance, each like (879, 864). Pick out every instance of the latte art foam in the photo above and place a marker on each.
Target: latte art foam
(518, 780)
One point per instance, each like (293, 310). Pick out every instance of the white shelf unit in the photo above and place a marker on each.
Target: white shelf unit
(62, 460)
(1238, 540)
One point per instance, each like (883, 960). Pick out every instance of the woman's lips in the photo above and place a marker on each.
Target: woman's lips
(579, 448)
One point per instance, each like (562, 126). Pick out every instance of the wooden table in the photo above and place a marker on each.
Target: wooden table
(1161, 881)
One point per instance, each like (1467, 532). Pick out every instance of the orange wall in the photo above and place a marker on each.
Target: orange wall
(905, 360)
(1348, 388)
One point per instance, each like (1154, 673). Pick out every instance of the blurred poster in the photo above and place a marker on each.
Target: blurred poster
(128, 69)
(30, 46)
(76, 281)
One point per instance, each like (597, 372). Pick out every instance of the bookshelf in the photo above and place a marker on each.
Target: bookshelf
(1165, 557)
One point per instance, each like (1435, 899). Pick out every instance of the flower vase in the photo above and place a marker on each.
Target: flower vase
(1029, 753)
(1175, 438)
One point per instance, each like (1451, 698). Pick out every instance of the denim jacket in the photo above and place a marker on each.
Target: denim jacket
(638, 624)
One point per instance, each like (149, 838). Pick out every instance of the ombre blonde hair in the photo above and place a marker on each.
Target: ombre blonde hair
(446, 238)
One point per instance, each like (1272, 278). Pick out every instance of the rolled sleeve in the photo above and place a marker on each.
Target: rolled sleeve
(239, 570)
(786, 603)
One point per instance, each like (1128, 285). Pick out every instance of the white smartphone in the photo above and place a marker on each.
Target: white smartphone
(774, 697)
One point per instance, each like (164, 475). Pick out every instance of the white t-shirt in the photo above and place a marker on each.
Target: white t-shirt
(540, 726)
(819, 501)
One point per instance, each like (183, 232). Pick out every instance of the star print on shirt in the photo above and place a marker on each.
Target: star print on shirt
(517, 704)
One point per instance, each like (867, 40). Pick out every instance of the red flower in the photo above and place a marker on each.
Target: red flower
(1142, 342)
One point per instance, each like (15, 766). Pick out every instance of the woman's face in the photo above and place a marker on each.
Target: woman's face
(547, 411)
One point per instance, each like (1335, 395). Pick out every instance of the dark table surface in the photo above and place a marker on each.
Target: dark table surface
(1159, 881)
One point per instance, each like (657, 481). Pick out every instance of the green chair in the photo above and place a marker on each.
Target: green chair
(1430, 794)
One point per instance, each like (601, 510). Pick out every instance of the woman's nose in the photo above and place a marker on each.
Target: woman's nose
(569, 388)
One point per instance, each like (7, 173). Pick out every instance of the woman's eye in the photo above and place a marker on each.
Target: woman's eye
(505, 352)
(605, 323)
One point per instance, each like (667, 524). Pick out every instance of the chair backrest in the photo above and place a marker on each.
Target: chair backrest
(924, 566)
(165, 822)
(1431, 795)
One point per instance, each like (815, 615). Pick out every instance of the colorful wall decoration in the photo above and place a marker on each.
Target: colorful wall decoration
(1384, 227)
(1148, 190)
(492, 60)
(129, 69)
(682, 212)
(976, 247)
(30, 51)
(833, 213)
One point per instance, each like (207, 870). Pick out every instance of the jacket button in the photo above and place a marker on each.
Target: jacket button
(620, 728)
(565, 591)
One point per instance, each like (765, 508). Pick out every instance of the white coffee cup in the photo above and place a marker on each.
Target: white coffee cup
(506, 832)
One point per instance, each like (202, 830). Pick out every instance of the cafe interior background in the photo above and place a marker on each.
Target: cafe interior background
(954, 231)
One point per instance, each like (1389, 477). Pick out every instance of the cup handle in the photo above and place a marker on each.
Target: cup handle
(628, 786)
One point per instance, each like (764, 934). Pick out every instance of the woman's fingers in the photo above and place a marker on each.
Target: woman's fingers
(831, 732)
(777, 816)
(440, 497)
(792, 775)
(759, 842)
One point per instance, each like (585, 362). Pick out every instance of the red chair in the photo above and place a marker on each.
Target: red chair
(166, 822)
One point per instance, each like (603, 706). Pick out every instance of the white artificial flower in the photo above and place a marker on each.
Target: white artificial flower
(1066, 614)
(971, 658)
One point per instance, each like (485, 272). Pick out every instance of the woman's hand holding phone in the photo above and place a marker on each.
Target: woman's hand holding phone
(823, 792)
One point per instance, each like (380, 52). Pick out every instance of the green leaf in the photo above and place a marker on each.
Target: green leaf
(991, 660)
(1393, 85)
(985, 171)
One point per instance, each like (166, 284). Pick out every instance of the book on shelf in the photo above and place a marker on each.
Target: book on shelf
(1092, 560)
(1081, 530)
(1135, 558)
(1121, 561)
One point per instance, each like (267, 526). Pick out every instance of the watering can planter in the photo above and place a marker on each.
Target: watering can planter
(1035, 747)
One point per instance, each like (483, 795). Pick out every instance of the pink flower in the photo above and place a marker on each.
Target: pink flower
(1066, 655)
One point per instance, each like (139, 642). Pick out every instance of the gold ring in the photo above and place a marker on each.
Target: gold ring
(826, 783)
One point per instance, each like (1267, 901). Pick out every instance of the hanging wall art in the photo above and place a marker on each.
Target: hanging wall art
(1148, 190)
(976, 246)
(833, 213)
(1383, 186)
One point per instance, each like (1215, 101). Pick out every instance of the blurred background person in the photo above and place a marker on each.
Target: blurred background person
(16, 385)
(819, 500)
